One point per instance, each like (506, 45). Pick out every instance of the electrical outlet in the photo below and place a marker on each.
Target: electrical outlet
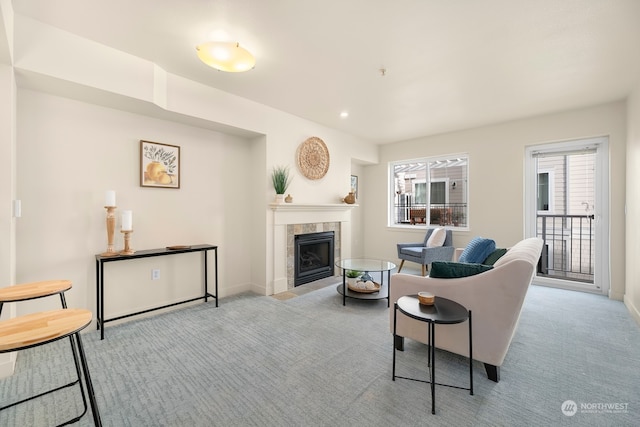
(155, 274)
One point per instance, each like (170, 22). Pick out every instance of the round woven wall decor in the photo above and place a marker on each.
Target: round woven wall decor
(313, 158)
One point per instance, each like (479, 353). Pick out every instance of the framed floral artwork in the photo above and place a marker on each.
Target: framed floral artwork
(354, 184)
(159, 165)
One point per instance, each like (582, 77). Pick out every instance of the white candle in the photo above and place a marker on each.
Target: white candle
(110, 198)
(127, 220)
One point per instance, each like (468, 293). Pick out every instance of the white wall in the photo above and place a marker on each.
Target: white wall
(7, 168)
(496, 178)
(7, 181)
(358, 213)
(79, 122)
(632, 295)
(7, 194)
(76, 152)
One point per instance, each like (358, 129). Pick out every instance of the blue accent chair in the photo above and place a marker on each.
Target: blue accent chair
(423, 255)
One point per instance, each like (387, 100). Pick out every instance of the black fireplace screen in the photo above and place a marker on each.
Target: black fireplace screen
(313, 257)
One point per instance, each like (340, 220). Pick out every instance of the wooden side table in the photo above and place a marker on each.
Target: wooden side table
(445, 312)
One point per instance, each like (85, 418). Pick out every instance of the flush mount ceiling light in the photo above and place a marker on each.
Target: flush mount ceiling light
(226, 56)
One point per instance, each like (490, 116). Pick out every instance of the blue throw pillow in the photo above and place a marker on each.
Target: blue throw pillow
(452, 270)
(477, 250)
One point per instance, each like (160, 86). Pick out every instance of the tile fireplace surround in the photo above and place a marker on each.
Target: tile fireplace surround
(291, 219)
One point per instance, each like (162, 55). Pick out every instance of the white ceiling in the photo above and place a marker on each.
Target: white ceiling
(451, 64)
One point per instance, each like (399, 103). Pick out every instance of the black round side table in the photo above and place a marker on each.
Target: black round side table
(445, 312)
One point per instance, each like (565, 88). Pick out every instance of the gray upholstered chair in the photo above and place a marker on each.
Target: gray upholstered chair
(423, 255)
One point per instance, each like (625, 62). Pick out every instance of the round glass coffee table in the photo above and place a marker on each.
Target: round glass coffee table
(365, 265)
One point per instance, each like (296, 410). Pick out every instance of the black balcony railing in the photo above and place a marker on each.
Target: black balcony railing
(451, 214)
(569, 250)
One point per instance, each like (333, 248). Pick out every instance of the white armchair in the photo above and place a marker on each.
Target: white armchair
(495, 298)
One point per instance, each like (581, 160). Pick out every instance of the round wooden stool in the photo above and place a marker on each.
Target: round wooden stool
(37, 329)
(27, 291)
(42, 328)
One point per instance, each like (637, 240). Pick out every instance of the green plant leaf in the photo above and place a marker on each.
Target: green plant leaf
(281, 179)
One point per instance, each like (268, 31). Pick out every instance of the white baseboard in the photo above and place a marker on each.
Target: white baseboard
(635, 313)
(7, 364)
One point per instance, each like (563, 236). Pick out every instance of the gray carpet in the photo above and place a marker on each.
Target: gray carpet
(309, 361)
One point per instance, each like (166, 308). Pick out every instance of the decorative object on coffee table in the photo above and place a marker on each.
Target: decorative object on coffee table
(364, 287)
(366, 284)
(352, 277)
(313, 158)
(363, 283)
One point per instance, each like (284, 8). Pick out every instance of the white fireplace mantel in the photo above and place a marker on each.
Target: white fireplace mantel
(285, 214)
(296, 213)
(310, 207)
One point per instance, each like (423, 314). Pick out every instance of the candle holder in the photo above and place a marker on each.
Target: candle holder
(111, 228)
(127, 238)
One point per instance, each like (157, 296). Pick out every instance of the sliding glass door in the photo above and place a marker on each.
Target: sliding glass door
(566, 202)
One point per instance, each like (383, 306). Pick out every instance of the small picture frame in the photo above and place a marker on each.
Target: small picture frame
(354, 184)
(159, 165)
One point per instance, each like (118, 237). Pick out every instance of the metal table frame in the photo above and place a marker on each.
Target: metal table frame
(367, 266)
(443, 311)
(101, 260)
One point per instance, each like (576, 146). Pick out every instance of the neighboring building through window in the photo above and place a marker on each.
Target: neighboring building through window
(430, 191)
(545, 191)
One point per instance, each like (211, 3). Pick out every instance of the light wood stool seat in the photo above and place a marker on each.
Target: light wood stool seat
(32, 330)
(36, 329)
(27, 291)
(33, 290)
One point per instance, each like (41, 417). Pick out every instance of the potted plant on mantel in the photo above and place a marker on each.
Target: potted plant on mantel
(281, 180)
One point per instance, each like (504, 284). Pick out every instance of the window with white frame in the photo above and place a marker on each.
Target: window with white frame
(429, 191)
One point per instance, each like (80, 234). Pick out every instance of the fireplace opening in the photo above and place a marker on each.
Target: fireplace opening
(313, 257)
